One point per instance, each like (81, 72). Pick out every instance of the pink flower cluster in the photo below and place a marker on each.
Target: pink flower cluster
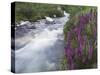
(81, 42)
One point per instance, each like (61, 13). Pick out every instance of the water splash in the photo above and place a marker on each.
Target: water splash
(39, 49)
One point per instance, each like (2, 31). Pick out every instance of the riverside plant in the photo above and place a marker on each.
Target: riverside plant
(81, 41)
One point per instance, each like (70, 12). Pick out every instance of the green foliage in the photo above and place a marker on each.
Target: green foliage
(63, 65)
(35, 11)
(74, 19)
(84, 25)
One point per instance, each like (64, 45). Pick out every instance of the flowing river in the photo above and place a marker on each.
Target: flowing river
(39, 46)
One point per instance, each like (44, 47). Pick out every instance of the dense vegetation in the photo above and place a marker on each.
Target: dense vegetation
(81, 40)
(36, 11)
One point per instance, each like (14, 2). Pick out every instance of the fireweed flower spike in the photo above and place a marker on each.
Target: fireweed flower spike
(82, 55)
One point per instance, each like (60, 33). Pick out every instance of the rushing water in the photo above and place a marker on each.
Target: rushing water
(40, 48)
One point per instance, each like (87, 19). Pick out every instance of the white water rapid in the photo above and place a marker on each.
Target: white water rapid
(39, 46)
